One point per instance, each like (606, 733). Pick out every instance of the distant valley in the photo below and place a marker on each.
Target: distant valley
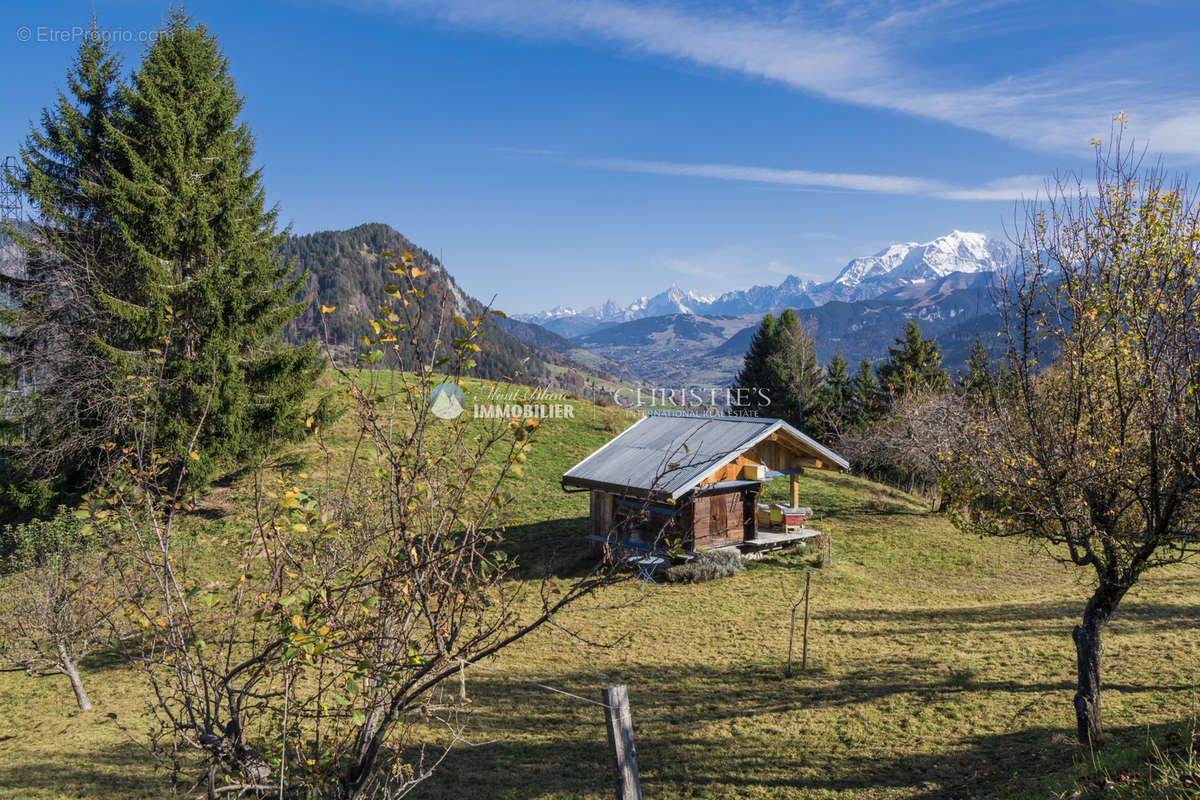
(681, 337)
(677, 338)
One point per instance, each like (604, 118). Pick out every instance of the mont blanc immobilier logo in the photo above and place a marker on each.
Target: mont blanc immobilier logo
(447, 401)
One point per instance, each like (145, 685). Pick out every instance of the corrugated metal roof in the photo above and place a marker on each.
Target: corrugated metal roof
(669, 454)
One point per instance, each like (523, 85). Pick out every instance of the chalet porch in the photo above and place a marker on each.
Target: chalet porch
(777, 540)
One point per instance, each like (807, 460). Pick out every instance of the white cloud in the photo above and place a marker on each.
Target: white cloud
(886, 184)
(859, 54)
(1013, 188)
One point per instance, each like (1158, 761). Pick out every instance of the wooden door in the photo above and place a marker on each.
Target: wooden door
(720, 515)
(749, 514)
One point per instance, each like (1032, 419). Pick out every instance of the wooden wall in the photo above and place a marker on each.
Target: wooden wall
(774, 453)
(719, 518)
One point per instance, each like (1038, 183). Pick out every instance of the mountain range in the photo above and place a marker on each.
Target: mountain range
(894, 267)
(677, 338)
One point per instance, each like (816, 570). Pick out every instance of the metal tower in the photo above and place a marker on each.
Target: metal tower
(10, 199)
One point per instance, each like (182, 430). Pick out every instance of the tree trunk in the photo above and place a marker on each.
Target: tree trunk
(67, 665)
(1088, 649)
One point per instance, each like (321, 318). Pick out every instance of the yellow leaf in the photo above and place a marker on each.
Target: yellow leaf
(195, 456)
(416, 273)
(328, 309)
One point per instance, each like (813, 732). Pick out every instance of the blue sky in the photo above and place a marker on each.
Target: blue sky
(568, 153)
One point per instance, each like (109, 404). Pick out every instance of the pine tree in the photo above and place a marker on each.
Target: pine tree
(799, 374)
(150, 252)
(754, 387)
(865, 394)
(978, 382)
(837, 395)
(915, 364)
(207, 289)
(52, 316)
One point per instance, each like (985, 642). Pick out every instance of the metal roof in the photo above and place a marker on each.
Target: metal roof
(668, 454)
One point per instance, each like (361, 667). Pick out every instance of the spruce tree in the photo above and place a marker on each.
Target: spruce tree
(865, 393)
(978, 382)
(757, 381)
(914, 364)
(207, 296)
(799, 374)
(52, 316)
(836, 395)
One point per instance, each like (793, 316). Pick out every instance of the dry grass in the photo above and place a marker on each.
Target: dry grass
(939, 666)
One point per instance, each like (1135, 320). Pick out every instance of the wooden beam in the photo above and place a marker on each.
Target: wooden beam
(794, 482)
(807, 461)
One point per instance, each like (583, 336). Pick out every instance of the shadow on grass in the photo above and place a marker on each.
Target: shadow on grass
(1028, 616)
(554, 548)
(122, 771)
(556, 747)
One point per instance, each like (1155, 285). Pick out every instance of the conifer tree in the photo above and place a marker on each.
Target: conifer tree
(913, 364)
(865, 403)
(151, 252)
(52, 317)
(837, 395)
(757, 379)
(799, 375)
(207, 288)
(978, 383)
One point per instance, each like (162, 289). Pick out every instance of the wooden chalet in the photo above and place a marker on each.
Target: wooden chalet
(695, 480)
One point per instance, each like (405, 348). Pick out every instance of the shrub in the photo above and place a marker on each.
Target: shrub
(708, 565)
(612, 424)
(30, 543)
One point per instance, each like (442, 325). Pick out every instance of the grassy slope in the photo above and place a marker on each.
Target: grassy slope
(940, 666)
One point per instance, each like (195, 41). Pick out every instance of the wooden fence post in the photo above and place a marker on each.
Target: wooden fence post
(787, 673)
(620, 743)
(804, 651)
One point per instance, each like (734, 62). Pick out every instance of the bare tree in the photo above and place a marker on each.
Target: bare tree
(54, 600)
(324, 654)
(1093, 449)
(906, 447)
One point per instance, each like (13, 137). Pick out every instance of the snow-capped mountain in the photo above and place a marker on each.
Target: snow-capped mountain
(866, 277)
(672, 301)
(903, 264)
(569, 321)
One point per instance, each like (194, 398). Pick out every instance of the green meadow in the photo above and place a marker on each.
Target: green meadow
(939, 666)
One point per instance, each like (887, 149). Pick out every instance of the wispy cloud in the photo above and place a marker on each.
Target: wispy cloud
(1012, 188)
(887, 184)
(860, 54)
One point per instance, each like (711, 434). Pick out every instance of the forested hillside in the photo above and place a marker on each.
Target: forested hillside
(347, 270)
